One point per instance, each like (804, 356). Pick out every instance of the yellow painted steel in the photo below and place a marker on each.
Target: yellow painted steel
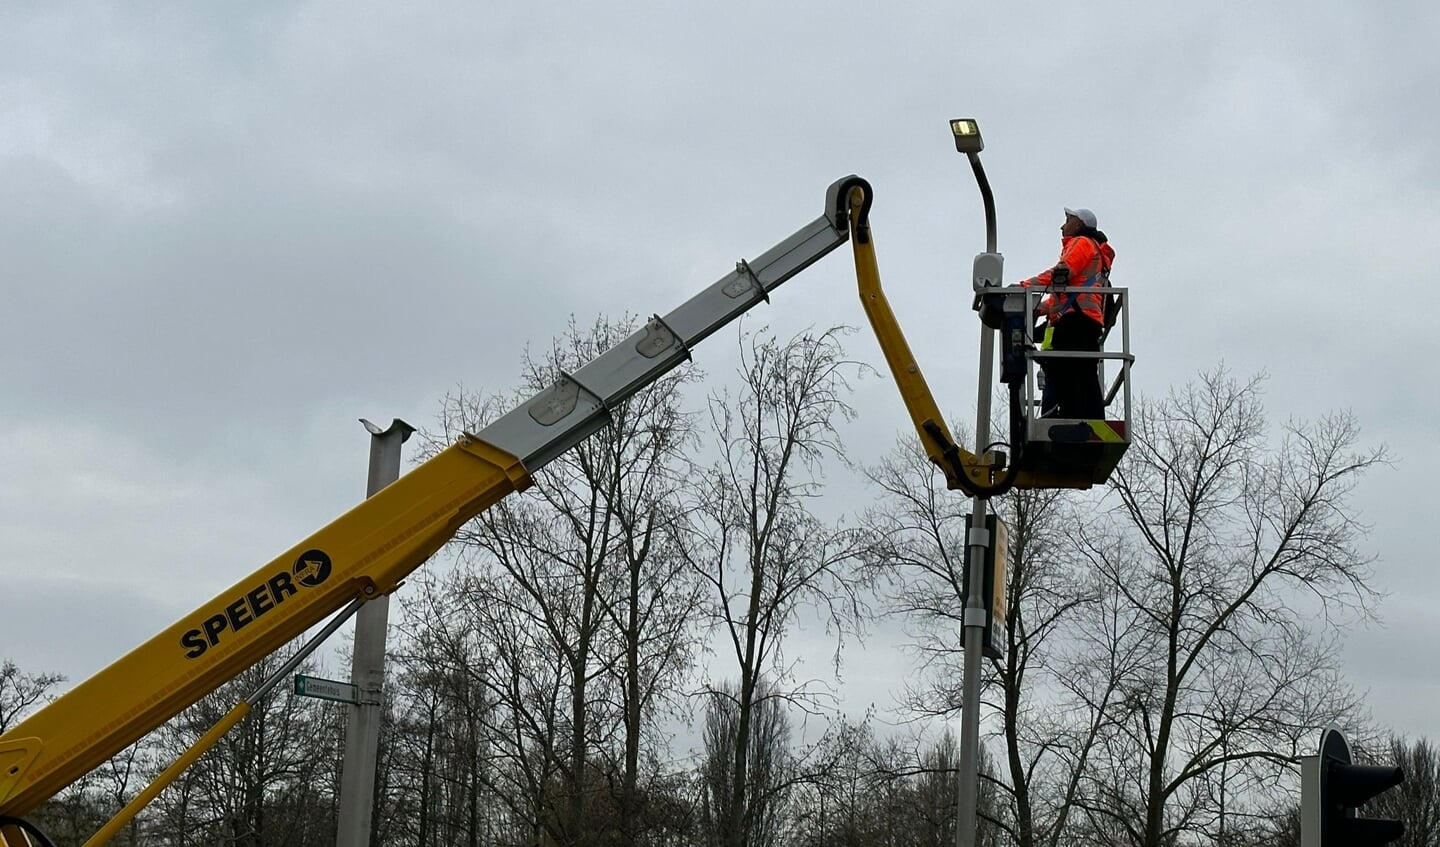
(919, 401)
(366, 552)
(1105, 432)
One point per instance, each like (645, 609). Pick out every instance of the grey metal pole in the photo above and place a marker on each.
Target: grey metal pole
(977, 540)
(367, 668)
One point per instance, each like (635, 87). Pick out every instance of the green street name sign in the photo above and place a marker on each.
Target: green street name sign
(326, 689)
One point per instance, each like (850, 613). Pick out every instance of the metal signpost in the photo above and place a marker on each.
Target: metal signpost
(362, 733)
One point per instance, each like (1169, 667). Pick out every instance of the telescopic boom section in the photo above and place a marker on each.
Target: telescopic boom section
(369, 550)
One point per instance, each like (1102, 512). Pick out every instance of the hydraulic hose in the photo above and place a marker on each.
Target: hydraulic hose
(31, 831)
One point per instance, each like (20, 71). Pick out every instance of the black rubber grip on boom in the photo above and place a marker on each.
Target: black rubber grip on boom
(837, 205)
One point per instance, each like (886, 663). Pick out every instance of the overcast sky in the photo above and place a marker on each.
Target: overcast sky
(227, 231)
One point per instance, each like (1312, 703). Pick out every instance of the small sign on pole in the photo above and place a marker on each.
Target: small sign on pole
(326, 689)
(997, 571)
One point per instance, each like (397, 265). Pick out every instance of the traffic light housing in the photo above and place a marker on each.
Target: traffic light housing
(1332, 790)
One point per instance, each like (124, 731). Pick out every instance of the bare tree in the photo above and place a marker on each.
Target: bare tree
(117, 782)
(865, 791)
(1221, 551)
(79, 811)
(265, 782)
(652, 616)
(920, 542)
(1416, 801)
(768, 769)
(21, 691)
(448, 711)
(584, 571)
(766, 557)
(843, 798)
(917, 556)
(651, 606)
(1049, 740)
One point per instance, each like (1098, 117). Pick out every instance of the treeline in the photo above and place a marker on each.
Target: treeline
(1171, 649)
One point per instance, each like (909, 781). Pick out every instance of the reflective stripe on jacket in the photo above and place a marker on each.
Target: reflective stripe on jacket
(1089, 261)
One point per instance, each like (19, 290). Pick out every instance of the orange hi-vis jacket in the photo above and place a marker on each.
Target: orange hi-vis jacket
(1089, 262)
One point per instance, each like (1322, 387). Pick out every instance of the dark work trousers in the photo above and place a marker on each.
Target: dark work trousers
(1074, 384)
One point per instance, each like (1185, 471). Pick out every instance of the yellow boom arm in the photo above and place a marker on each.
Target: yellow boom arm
(368, 551)
(963, 470)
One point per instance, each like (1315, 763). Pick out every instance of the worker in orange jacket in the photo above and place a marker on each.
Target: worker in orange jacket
(1075, 318)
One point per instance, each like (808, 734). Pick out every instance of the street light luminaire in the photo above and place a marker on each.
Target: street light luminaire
(969, 142)
(967, 135)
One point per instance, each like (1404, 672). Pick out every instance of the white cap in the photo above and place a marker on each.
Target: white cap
(1086, 217)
